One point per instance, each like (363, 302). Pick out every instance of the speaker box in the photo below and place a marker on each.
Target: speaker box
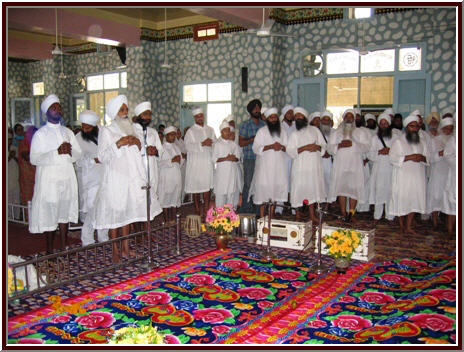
(245, 79)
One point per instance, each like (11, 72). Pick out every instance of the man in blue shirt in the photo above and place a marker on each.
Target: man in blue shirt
(247, 134)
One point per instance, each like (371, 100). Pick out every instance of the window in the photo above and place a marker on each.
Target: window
(206, 31)
(100, 89)
(410, 59)
(377, 90)
(378, 61)
(356, 13)
(38, 88)
(215, 98)
(342, 94)
(343, 62)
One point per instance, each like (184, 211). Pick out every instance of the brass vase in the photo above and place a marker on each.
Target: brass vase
(342, 264)
(222, 239)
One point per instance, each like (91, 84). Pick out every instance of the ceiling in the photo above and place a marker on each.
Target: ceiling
(32, 31)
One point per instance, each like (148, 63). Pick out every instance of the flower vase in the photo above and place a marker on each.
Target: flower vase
(342, 264)
(222, 239)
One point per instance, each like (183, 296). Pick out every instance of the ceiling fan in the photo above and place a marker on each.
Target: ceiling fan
(265, 29)
(58, 50)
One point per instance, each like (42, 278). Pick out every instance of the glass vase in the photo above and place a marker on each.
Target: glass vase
(342, 264)
(222, 239)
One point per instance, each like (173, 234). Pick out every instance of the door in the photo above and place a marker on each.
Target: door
(309, 93)
(412, 92)
(22, 111)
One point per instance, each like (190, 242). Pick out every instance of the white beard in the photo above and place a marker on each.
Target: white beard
(125, 125)
(347, 129)
(325, 129)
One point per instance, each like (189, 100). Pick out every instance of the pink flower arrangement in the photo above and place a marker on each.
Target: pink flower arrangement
(222, 219)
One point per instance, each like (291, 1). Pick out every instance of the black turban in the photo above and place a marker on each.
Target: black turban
(251, 105)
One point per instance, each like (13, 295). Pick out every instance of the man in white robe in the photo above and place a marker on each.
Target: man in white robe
(153, 149)
(199, 142)
(363, 202)
(409, 156)
(348, 144)
(226, 180)
(170, 175)
(326, 123)
(238, 198)
(371, 123)
(439, 168)
(433, 120)
(54, 149)
(90, 172)
(270, 180)
(287, 122)
(380, 180)
(122, 200)
(181, 145)
(306, 147)
(449, 196)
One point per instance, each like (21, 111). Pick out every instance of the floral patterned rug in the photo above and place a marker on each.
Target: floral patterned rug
(236, 297)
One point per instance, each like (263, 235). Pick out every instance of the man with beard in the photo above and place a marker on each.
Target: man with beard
(199, 142)
(326, 123)
(153, 150)
(270, 178)
(439, 168)
(89, 172)
(371, 123)
(315, 119)
(179, 142)
(363, 202)
(248, 130)
(305, 147)
(409, 156)
(432, 120)
(54, 149)
(348, 144)
(122, 199)
(287, 119)
(380, 181)
(397, 122)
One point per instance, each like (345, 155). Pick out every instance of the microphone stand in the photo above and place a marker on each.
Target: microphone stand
(267, 253)
(150, 264)
(319, 268)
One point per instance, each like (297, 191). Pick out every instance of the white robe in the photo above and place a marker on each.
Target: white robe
(347, 178)
(289, 130)
(199, 169)
(380, 180)
(363, 203)
(89, 175)
(181, 145)
(226, 176)
(449, 196)
(153, 140)
(408, 178)
(438, 174)
(55, 197)
(327, 164)
(270, 179)
(121, 199)
(307, 171)
(170, 176)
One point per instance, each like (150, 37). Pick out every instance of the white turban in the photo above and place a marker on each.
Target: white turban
(146, 105)
(197, 111)
(327, 113)
(389, 111)
(47, 102)
(281, 117)
(223, 125)
(446, 122)
(169, 129)
(416, 112)
(113, 106)
(432, 115)
(270, 111)
(263, 109)
(300, 110)
(409, 119)
(229, 118)
(384, 116)
(287, 108)
(232, 129)
(357, 111)
(369, 117)
(347, 111)
(89, 117)
(313, 115)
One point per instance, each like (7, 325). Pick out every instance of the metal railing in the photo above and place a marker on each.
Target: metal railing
(76, 264)
(18, 213)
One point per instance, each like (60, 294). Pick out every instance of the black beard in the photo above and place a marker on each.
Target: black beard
(422, 127)
(384, 132)
(91, 136)
(398, 125)
(301, 123)
(256, 116)
(143, 122)
(359, 123)
(274, 128)
(371, 126)
(412, 136)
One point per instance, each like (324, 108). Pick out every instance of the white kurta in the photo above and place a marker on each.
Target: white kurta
(270, 179)
(307, 171)
(121, 199)
(439, 168)
(153, 140)
(380, 180)
(289, 130)
(363, 203)
(408, 178)
(170, 176)
(199, 169)
(347, 178)
(449, 196)
(181, 145)
(55, 197)
(327, 164)
(226, 178)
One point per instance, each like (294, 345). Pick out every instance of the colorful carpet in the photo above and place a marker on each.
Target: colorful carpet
(236, 297)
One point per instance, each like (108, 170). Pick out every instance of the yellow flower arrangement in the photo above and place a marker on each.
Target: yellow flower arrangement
(144, 335)
(342, 242)
(11, 284)
(222, 219)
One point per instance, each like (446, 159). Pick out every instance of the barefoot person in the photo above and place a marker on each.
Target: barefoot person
(409, 156)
